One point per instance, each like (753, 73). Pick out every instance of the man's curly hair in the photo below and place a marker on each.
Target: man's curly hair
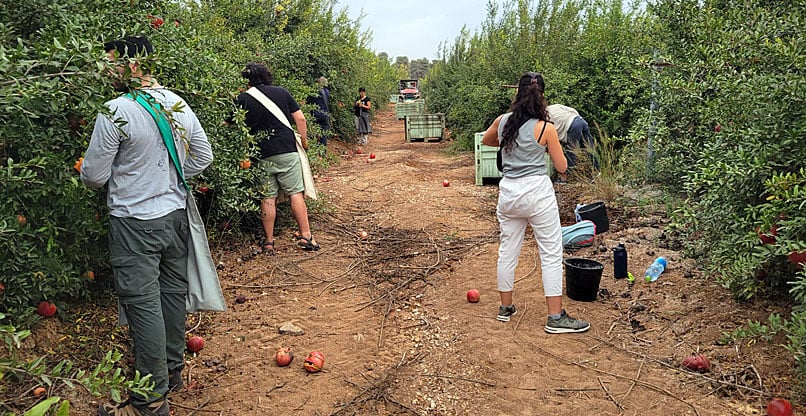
(257, 74)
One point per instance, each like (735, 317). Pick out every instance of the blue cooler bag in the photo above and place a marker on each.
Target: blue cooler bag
(579, 235)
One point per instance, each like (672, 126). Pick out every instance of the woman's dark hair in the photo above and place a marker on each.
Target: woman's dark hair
(529, 103)
(257, 74)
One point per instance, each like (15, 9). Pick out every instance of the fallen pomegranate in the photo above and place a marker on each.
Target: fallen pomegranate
(446, 183)
(46, 309)
(698, 363)
(314, 362)
(779, 407)
(363, 234)
(284, 357)
(39, 391)
(358, 151)
(195, 344)
(372, 155)
(473, 296)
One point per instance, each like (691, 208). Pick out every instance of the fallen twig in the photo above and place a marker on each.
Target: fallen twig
(484, 383)
(637, 376)
(667, 365)
(598, 370)
(610, 396)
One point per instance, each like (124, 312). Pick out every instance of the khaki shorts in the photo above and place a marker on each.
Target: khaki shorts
(282, 171)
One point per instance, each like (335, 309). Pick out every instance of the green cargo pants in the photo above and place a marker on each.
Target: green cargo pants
(149, 269)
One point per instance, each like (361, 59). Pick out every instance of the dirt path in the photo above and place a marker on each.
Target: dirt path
(390, 315)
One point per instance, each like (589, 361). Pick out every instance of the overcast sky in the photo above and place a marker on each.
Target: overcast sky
(415, 28)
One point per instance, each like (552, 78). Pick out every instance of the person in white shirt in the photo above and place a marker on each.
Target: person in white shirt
(573, 131)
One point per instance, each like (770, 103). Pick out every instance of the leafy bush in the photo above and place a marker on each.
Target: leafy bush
(52, 228)
(571, 43)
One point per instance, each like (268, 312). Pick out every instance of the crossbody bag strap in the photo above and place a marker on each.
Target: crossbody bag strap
(270, 105)
(155, 109)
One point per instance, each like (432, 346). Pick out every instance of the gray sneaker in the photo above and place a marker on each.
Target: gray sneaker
(565, 324)
(504, 312)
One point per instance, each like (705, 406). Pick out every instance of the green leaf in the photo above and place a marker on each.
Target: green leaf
(42, 408)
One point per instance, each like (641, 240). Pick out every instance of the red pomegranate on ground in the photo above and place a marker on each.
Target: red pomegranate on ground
(314, 362)
(284, 357)
(195, 343)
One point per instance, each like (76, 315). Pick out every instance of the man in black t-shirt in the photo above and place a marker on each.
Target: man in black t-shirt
(279, 165)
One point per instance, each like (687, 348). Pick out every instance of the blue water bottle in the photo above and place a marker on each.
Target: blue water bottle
(655, 269)
(620, 261)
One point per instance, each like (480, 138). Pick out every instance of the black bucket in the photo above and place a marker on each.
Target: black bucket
(582, 277)
(596, 212)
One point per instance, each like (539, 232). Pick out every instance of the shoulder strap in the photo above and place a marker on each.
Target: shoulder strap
(270, 105)
(155, 109)
(542, 130)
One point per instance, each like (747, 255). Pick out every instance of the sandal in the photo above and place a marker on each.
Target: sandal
(308, 244)
(266, 247)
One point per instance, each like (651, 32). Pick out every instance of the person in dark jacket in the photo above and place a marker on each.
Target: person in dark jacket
(322, 112)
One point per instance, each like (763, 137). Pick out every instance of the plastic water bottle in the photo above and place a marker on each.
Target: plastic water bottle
(620, 261)
(655, 269)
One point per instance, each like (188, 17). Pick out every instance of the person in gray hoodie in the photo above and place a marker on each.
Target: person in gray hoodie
(148, 225)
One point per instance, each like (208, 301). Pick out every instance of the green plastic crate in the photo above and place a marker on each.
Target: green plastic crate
(409, 108)
(424, 126)
(486, 166)
(485, 161)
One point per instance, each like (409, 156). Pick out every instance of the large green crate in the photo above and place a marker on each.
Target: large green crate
(485, 161)
(393, 98)
(424, 126)
(409, 108)
(486, 166)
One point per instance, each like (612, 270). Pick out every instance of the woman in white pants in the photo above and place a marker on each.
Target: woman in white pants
(526, 196)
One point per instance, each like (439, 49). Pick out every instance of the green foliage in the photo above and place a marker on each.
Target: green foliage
(793, 330)
(732, 108)
(732, 111)
(571, 42)
(105, 378)
(53, 86)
